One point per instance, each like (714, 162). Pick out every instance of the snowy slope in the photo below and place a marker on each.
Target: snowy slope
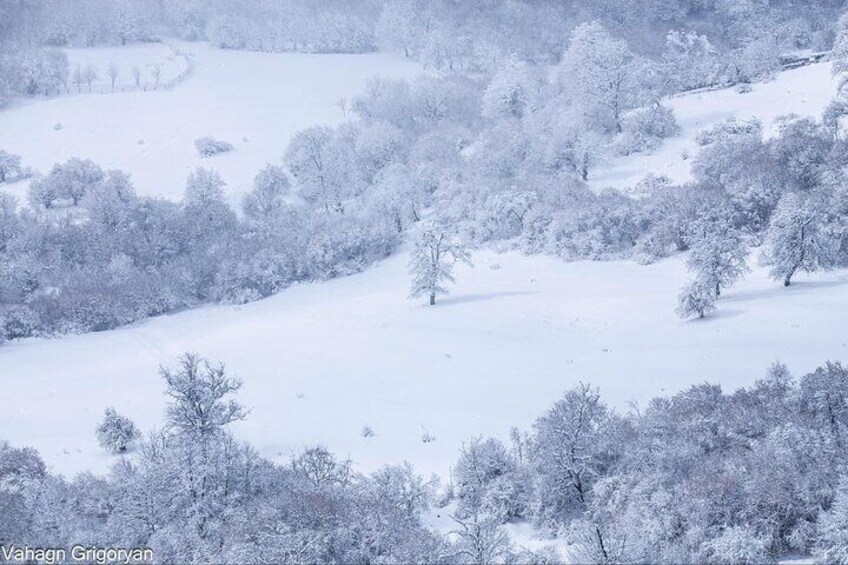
(804, 91)
(321, 361)
(256, 101)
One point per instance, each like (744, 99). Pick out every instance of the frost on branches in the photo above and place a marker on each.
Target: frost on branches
(116, 432)
(434, 255)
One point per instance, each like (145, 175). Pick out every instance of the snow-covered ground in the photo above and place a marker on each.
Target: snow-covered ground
(320, 361)
(804, 91)
(256, 101)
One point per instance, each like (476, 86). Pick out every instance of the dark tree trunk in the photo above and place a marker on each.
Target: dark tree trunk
(432, 299)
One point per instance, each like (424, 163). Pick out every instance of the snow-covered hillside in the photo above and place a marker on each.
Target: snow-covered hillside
(256, 101)
(804, 91)
(321, 361)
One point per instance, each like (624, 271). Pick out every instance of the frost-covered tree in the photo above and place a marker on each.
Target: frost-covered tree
(10, 166)
(199, 391)
(136, 74)
(510, 93)
(434, 253)
(832, 540)
(66, 181)
(738, 544)
(697, 298)
(568, 455)
(116, 432)
(204, 185)
(270, 188)
(601, 74)
(717, 249)
(798, 238)
(306, 158)
(689, 61)
(481, 540)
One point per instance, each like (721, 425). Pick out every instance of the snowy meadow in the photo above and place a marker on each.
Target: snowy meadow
(423, 281)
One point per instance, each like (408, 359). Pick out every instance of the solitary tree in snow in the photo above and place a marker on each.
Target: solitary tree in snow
(717, 249)
(116, 432)
(199, 392)
(697, 298)
(136, 73)
(431, 264)
(797, 238)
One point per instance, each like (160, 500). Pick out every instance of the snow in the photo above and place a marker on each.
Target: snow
(320, 361)
(805, 91)
(256, 101)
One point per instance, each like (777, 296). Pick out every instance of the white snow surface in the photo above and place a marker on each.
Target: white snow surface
(320, 361)
(256, 101)
(805, 91)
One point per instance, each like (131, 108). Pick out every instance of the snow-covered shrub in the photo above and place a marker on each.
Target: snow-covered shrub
(507, 497)
(11, 169)
(697, 298)
(645, 129)
(116, 432)
(209, 146)
(729, 127)
(739, 545)
(19, 321)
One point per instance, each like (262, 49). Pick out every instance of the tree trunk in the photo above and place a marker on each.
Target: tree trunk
(432, 299)
(787, 280)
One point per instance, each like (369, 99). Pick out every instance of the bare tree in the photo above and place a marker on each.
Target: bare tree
(157, 75)
(78, 77)
(342, 105)
(136, 73)
(112, 71)
(481, 540)
(90, 75)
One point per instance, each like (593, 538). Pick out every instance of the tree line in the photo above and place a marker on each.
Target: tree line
(702, 476)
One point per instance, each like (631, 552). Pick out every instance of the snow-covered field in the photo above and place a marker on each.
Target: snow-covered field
(321, 361)
(804, 91)
(256, 101)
